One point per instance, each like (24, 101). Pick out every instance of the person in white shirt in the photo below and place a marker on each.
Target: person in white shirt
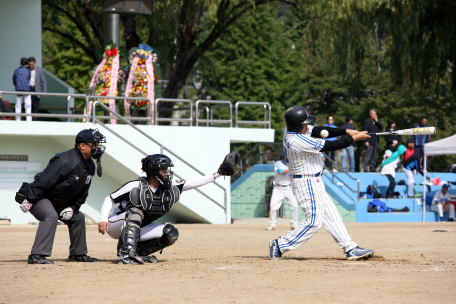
(441, 203)
(282, 190)
(389, 165)
(37, 84)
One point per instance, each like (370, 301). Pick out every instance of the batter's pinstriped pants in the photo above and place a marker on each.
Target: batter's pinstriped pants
(320, 211)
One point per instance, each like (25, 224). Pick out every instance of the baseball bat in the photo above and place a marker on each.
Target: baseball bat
(414, 131)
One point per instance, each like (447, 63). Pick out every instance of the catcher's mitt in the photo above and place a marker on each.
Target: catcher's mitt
(230, 161)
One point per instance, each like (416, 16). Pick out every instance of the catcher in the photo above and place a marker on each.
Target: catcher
(143, 201)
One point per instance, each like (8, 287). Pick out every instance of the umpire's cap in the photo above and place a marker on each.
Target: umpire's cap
(295, 117)
(90, 136)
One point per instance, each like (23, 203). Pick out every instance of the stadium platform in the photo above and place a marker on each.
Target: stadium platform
(247, 195)
(195, 151)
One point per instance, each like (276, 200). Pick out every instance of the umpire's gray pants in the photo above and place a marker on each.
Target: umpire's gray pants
(44, 212)
(370, 157)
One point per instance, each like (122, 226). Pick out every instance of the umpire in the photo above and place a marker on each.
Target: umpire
(58, 192)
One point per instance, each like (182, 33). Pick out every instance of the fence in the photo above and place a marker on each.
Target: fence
(153, 117)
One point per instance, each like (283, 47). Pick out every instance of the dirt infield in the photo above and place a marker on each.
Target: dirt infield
(228, 264)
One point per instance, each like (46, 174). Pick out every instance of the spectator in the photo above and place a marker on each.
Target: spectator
(21, 79)
(392, 141)
(371, 125)
(420, 140)
(389, 165)
(412, 163)
(350, 150)
(442, 203)
(410, 149)
(37, 84)
(331, 154)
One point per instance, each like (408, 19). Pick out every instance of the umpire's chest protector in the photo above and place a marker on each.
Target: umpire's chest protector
(156, 204)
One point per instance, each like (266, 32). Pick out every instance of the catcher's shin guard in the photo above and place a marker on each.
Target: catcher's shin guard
(169, 237)
(130, 234)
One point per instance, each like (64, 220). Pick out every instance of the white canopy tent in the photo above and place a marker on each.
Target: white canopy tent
(440, 147)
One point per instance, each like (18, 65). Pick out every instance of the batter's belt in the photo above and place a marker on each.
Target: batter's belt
(312, 175)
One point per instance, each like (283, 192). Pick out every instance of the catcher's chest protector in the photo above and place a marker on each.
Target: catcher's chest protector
(154, 205)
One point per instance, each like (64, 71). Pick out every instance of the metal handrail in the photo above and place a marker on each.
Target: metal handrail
(230, 121)
(68, 95)
(162, 148)
(157, 119)
(342, 171)
(253, 122)
(211, 111)
(149, 118)
(256, 156)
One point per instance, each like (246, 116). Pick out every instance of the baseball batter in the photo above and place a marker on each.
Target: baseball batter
(302, 146)
(282, 190)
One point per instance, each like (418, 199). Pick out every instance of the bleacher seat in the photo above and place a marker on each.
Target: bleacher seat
(349, 199)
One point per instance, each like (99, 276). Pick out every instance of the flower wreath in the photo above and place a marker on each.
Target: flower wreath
(104, 79)
(141, 80)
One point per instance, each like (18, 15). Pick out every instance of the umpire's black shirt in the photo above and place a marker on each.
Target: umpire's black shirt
(65, 181)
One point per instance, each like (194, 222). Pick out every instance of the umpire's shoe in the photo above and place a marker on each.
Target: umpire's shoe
(358, 253)
(81, 258)
(274, 251)
(38, 259)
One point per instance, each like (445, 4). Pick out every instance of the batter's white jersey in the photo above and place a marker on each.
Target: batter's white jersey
(303, 157)
(302, 152)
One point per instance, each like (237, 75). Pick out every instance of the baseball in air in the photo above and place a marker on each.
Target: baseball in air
(324, 133)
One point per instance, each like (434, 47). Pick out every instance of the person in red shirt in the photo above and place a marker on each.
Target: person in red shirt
(410, 149)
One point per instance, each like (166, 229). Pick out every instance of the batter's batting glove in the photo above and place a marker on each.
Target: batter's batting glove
(26, 206)
(229, 163)
(66, 214)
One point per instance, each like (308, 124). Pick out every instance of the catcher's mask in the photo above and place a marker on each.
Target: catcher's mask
(152, 164)
(97, 140)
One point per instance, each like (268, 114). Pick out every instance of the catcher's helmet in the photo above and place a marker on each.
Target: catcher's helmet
(295, 117)
(151, 166)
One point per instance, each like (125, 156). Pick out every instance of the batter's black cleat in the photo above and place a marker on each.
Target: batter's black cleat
(129, 260)
(38, 259)
(150, 259)
(81, 258)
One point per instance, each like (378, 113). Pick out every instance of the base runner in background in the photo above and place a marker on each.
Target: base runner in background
(141, 203)
(282, 190)
(302, 146)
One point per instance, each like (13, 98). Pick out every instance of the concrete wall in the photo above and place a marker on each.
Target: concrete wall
(248, 196)
(20, 36)
(202, 147)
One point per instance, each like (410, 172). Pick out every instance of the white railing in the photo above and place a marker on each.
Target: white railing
(154, 117)
(211, 120)
(265, 122)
